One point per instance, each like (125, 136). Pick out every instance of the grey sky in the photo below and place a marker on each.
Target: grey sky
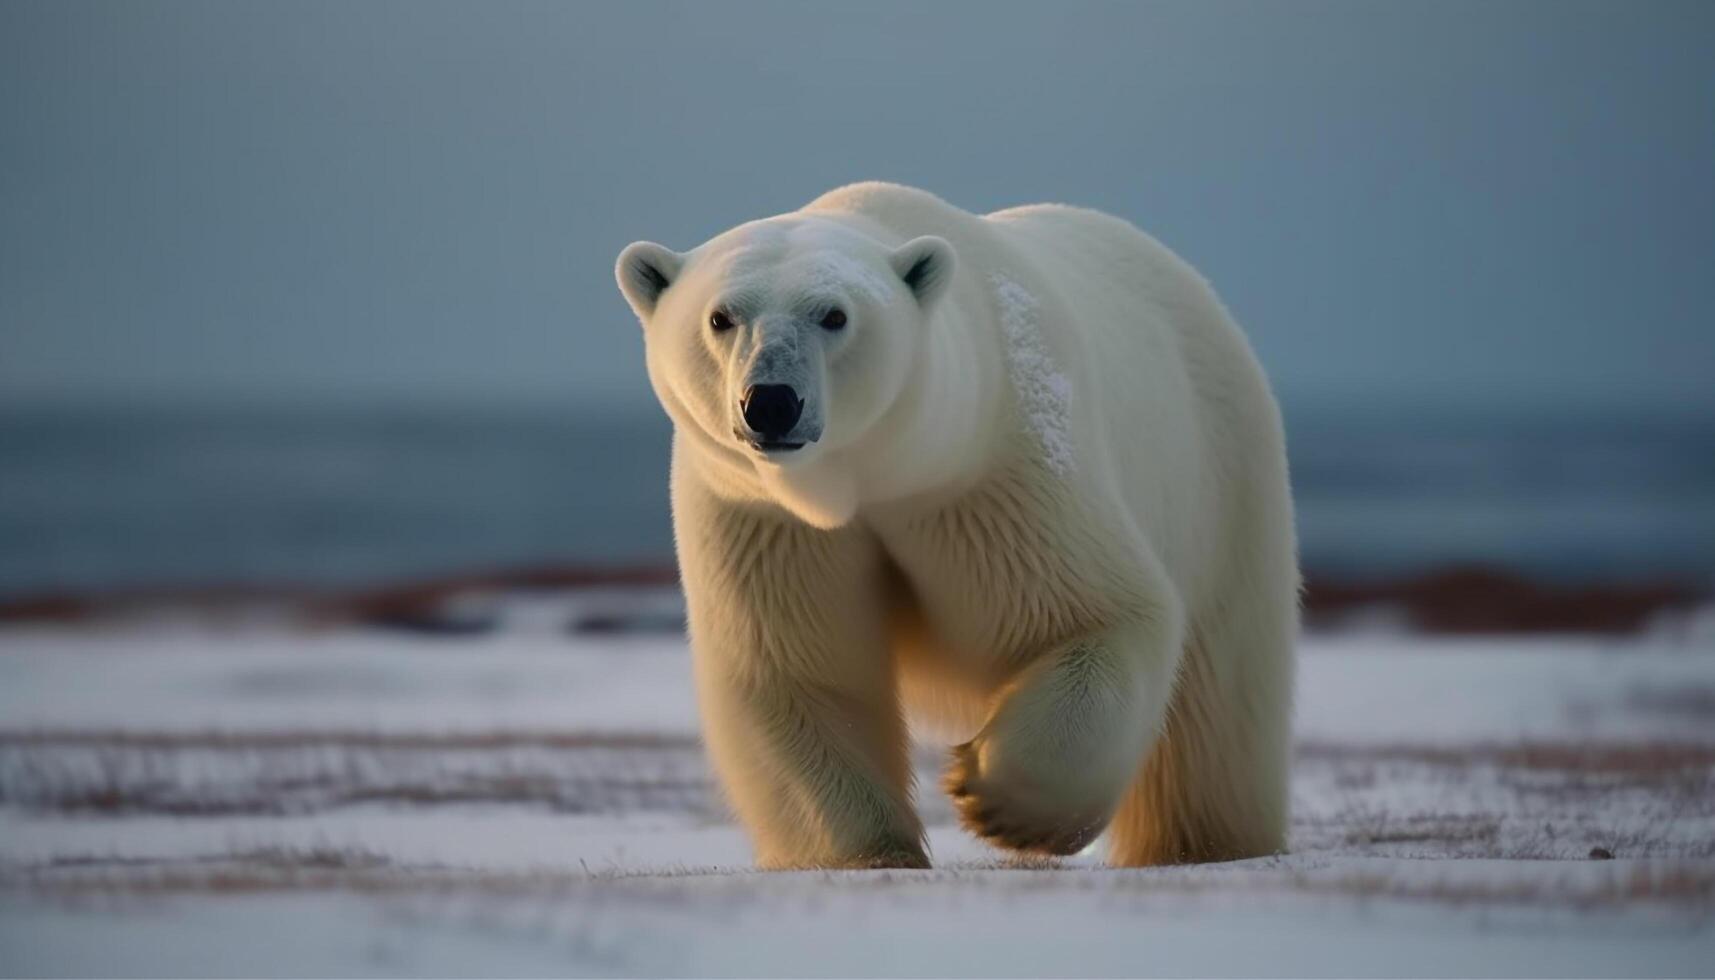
(1431, 204)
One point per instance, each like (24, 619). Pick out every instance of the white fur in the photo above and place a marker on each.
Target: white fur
(1047, 503)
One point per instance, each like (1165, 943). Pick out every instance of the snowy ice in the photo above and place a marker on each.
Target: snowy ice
(186, 800)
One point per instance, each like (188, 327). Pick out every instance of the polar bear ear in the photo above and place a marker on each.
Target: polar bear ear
(926, 266)
(644, 271)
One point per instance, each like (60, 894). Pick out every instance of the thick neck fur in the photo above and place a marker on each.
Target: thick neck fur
(938, 436)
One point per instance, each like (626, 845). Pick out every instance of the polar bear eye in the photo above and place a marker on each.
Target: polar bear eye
(834, 319)
(719, 322)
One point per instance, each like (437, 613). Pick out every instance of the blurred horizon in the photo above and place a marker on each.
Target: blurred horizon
(95, 501)
(325, 289)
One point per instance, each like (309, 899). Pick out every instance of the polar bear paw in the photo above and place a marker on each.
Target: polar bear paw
(897, 857)
(1010, 816)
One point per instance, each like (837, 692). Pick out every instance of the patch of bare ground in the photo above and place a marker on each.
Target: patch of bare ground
(268, 772)
(1479, 600)
(1689, 886)
(1647, 758)
(1456, 599)
(1524, 801)
(278, 857)
(1447, 829)
(320, 738)
(294, 773)
(1543, 800)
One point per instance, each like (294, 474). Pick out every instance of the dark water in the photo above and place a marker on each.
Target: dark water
(1570, 499)
(94, 500)
(105, 499)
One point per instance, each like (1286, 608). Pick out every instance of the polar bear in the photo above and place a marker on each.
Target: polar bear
(1019, 473)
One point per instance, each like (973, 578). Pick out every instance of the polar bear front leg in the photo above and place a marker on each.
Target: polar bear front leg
(795, 686)
(1047, 771)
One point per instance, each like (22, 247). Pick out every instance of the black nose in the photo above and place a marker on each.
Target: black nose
(771, 410)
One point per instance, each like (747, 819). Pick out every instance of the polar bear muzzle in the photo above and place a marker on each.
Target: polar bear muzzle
(772, 412)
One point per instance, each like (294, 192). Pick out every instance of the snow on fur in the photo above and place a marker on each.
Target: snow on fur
(1044, 394)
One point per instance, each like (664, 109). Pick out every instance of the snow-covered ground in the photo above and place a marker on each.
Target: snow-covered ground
(264, 798)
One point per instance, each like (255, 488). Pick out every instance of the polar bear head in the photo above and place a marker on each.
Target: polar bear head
(783, 341)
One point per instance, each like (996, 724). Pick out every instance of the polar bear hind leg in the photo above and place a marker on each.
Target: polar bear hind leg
(1214, 786)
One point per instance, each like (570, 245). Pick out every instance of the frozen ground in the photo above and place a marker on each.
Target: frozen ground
(264, 799)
